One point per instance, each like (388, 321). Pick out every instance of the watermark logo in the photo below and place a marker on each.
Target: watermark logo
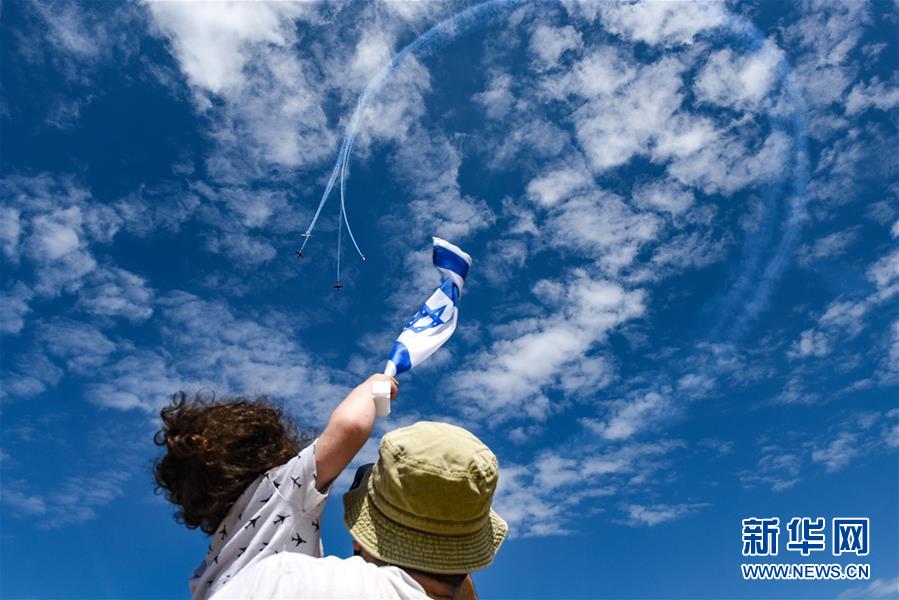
(760, 536)
(805, 535)
(851, 536)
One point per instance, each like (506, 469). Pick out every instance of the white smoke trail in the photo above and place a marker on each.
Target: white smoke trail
(443, 33)
(744, 301)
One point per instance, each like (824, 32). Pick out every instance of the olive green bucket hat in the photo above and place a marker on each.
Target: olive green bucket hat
(426, 503)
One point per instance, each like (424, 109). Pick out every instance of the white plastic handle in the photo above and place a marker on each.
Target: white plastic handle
(380, 389)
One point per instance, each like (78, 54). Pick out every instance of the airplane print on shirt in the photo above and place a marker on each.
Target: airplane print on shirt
(282, 514)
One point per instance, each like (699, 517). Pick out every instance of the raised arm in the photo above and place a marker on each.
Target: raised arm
(347, 431)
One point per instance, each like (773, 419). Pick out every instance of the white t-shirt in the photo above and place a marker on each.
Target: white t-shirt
(279, 512)
(298, 576)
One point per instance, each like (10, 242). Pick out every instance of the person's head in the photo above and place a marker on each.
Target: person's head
(214, 449)
(425, 505)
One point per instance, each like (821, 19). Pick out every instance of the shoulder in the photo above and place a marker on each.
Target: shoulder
(291, 575)
(302, 464)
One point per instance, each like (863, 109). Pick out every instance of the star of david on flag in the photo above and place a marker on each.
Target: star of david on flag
(424, 313)
(435, 321)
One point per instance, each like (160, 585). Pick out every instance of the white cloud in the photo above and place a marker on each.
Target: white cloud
(143, 379)
(858, 155)
(548, 44)
(877, 94)
(373, 52)
(776, 469)
(10, 231)
(720, 447)
(659, 23)
(527, 512)
(206, 344)
(214, 43)
(810, 343)
(655, 514)
(428, 163)
(846, 315)
(504, 258)
(636, 461)
(115, 292)
(73, 500)
(819, 42)
(740, 81)
(664, 196)
(830, 246)
(795, 390)
(861, 435)
(71, 32)
(498, 98)
(559, 182)
(696, 249)
(601, 225)
(587, 373)
(614, 128)
(628, 417)
(58, 222)
(269, 108)
(510, 375)
(548, 496)
(14, 307)
(55, 235)
(893, 359)
(885, 271)
(83, 347)
(73, 42)
(630, 110)
(726, 163)
(879, 588)
(23, 503)
(33, 374)
(849, 316)
(413, 10)
(396, 108)
(696, 384)
(601, 72)
(159, 208)
(838, 453)
(249, 251)
(553, 471)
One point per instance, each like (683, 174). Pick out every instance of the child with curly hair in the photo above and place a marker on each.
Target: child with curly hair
(241, 472)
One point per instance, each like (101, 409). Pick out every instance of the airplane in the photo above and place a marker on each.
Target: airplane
(338, 285)
(306, 234)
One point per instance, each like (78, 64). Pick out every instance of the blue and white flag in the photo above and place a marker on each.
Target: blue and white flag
(435, 321)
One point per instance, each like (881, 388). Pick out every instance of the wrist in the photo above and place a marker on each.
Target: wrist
(380, 393)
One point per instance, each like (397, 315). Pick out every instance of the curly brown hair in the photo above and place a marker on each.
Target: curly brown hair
(214, 449)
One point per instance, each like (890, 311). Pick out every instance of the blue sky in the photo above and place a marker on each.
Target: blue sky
(682, 309)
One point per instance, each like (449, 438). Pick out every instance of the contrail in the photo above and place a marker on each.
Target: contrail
(442, 33)
(751, 292)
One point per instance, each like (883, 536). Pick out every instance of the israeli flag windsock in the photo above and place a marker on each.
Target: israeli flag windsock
(435, 321)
